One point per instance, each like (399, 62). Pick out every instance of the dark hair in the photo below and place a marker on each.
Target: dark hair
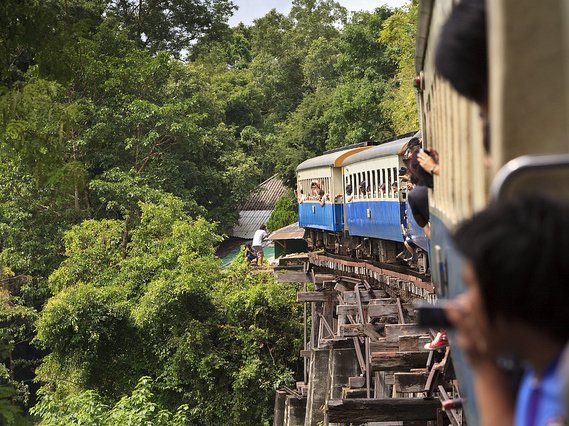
(462, 54)
(519, 252)
(263, 227)
(349, 189)
(321, 192)
(419, 176)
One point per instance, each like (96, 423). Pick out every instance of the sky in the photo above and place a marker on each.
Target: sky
(250, 10)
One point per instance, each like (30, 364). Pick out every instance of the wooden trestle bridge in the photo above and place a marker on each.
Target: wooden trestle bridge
(364, 355)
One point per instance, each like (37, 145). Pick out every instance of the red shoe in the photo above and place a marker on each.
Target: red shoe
(440, 341)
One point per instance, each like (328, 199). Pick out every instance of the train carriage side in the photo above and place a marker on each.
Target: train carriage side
(322, 173)
(376, 209)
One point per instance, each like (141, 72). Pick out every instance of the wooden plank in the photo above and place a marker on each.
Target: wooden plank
(287, 276)
(353, 393)
(410, 382)
(361, 330)
(398, 361)
(320, 278)
(381, 410)
(385, 344)
(413, 342)
(376, 310)
(365, 296)
(315, 296)
(404, 329)
(305, 353)
(356, 382)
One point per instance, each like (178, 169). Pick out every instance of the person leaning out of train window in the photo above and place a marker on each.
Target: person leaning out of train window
(349, 193)
(515, 273)
(323, 197)
(299, 196)
(418, 197)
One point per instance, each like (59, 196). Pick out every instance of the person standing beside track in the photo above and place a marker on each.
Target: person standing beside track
(516, 275)
(260, 236)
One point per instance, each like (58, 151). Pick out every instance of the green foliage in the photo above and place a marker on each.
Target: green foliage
(284, 213)
(16, 327)
(398, 35)
(165, 311)
(138, 408)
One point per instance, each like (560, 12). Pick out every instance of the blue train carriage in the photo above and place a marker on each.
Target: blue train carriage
(377, 212)
(323, 173)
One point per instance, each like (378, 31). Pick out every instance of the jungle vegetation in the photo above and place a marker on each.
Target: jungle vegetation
(130, 132)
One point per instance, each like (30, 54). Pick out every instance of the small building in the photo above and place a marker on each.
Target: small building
(258, 207)
(289, 239)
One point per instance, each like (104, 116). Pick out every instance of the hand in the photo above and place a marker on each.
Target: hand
(471, 335)
(427, 163)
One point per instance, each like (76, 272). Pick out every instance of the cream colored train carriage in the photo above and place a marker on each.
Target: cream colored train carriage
(528, 55)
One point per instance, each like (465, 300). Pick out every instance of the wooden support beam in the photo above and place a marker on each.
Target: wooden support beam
(410, 382)
(451, 414)
(327, 326)
(361, 330)
(315, 296)
(381, 410)
(400, 310)
(359, 304)
(398, 361)
(305, 353)
(359, 354)
(405, 329)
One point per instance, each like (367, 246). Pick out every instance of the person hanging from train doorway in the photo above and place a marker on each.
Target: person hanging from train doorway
(516, 274)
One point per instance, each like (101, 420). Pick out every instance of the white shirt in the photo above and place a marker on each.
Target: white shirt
(260, 235)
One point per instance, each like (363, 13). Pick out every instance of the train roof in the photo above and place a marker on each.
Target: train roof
(383, 150)
(332, 159)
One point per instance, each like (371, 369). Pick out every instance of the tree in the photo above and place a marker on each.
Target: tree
(284, 213)
(398, 35)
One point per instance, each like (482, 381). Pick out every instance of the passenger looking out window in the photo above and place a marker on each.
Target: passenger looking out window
(349, 193)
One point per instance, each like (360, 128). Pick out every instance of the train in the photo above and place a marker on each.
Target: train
(362, 210)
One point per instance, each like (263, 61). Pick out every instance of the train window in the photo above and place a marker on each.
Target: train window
(378, 183)
(383, 184)
(396, 180)
(368, 184)
(388, 184)
(373, 185)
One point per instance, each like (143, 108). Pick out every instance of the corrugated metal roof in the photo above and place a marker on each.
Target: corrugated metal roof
(289, 232)
(266, 195)
(258, 207)
(389, 148)
(249, 222)
(333, 159)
